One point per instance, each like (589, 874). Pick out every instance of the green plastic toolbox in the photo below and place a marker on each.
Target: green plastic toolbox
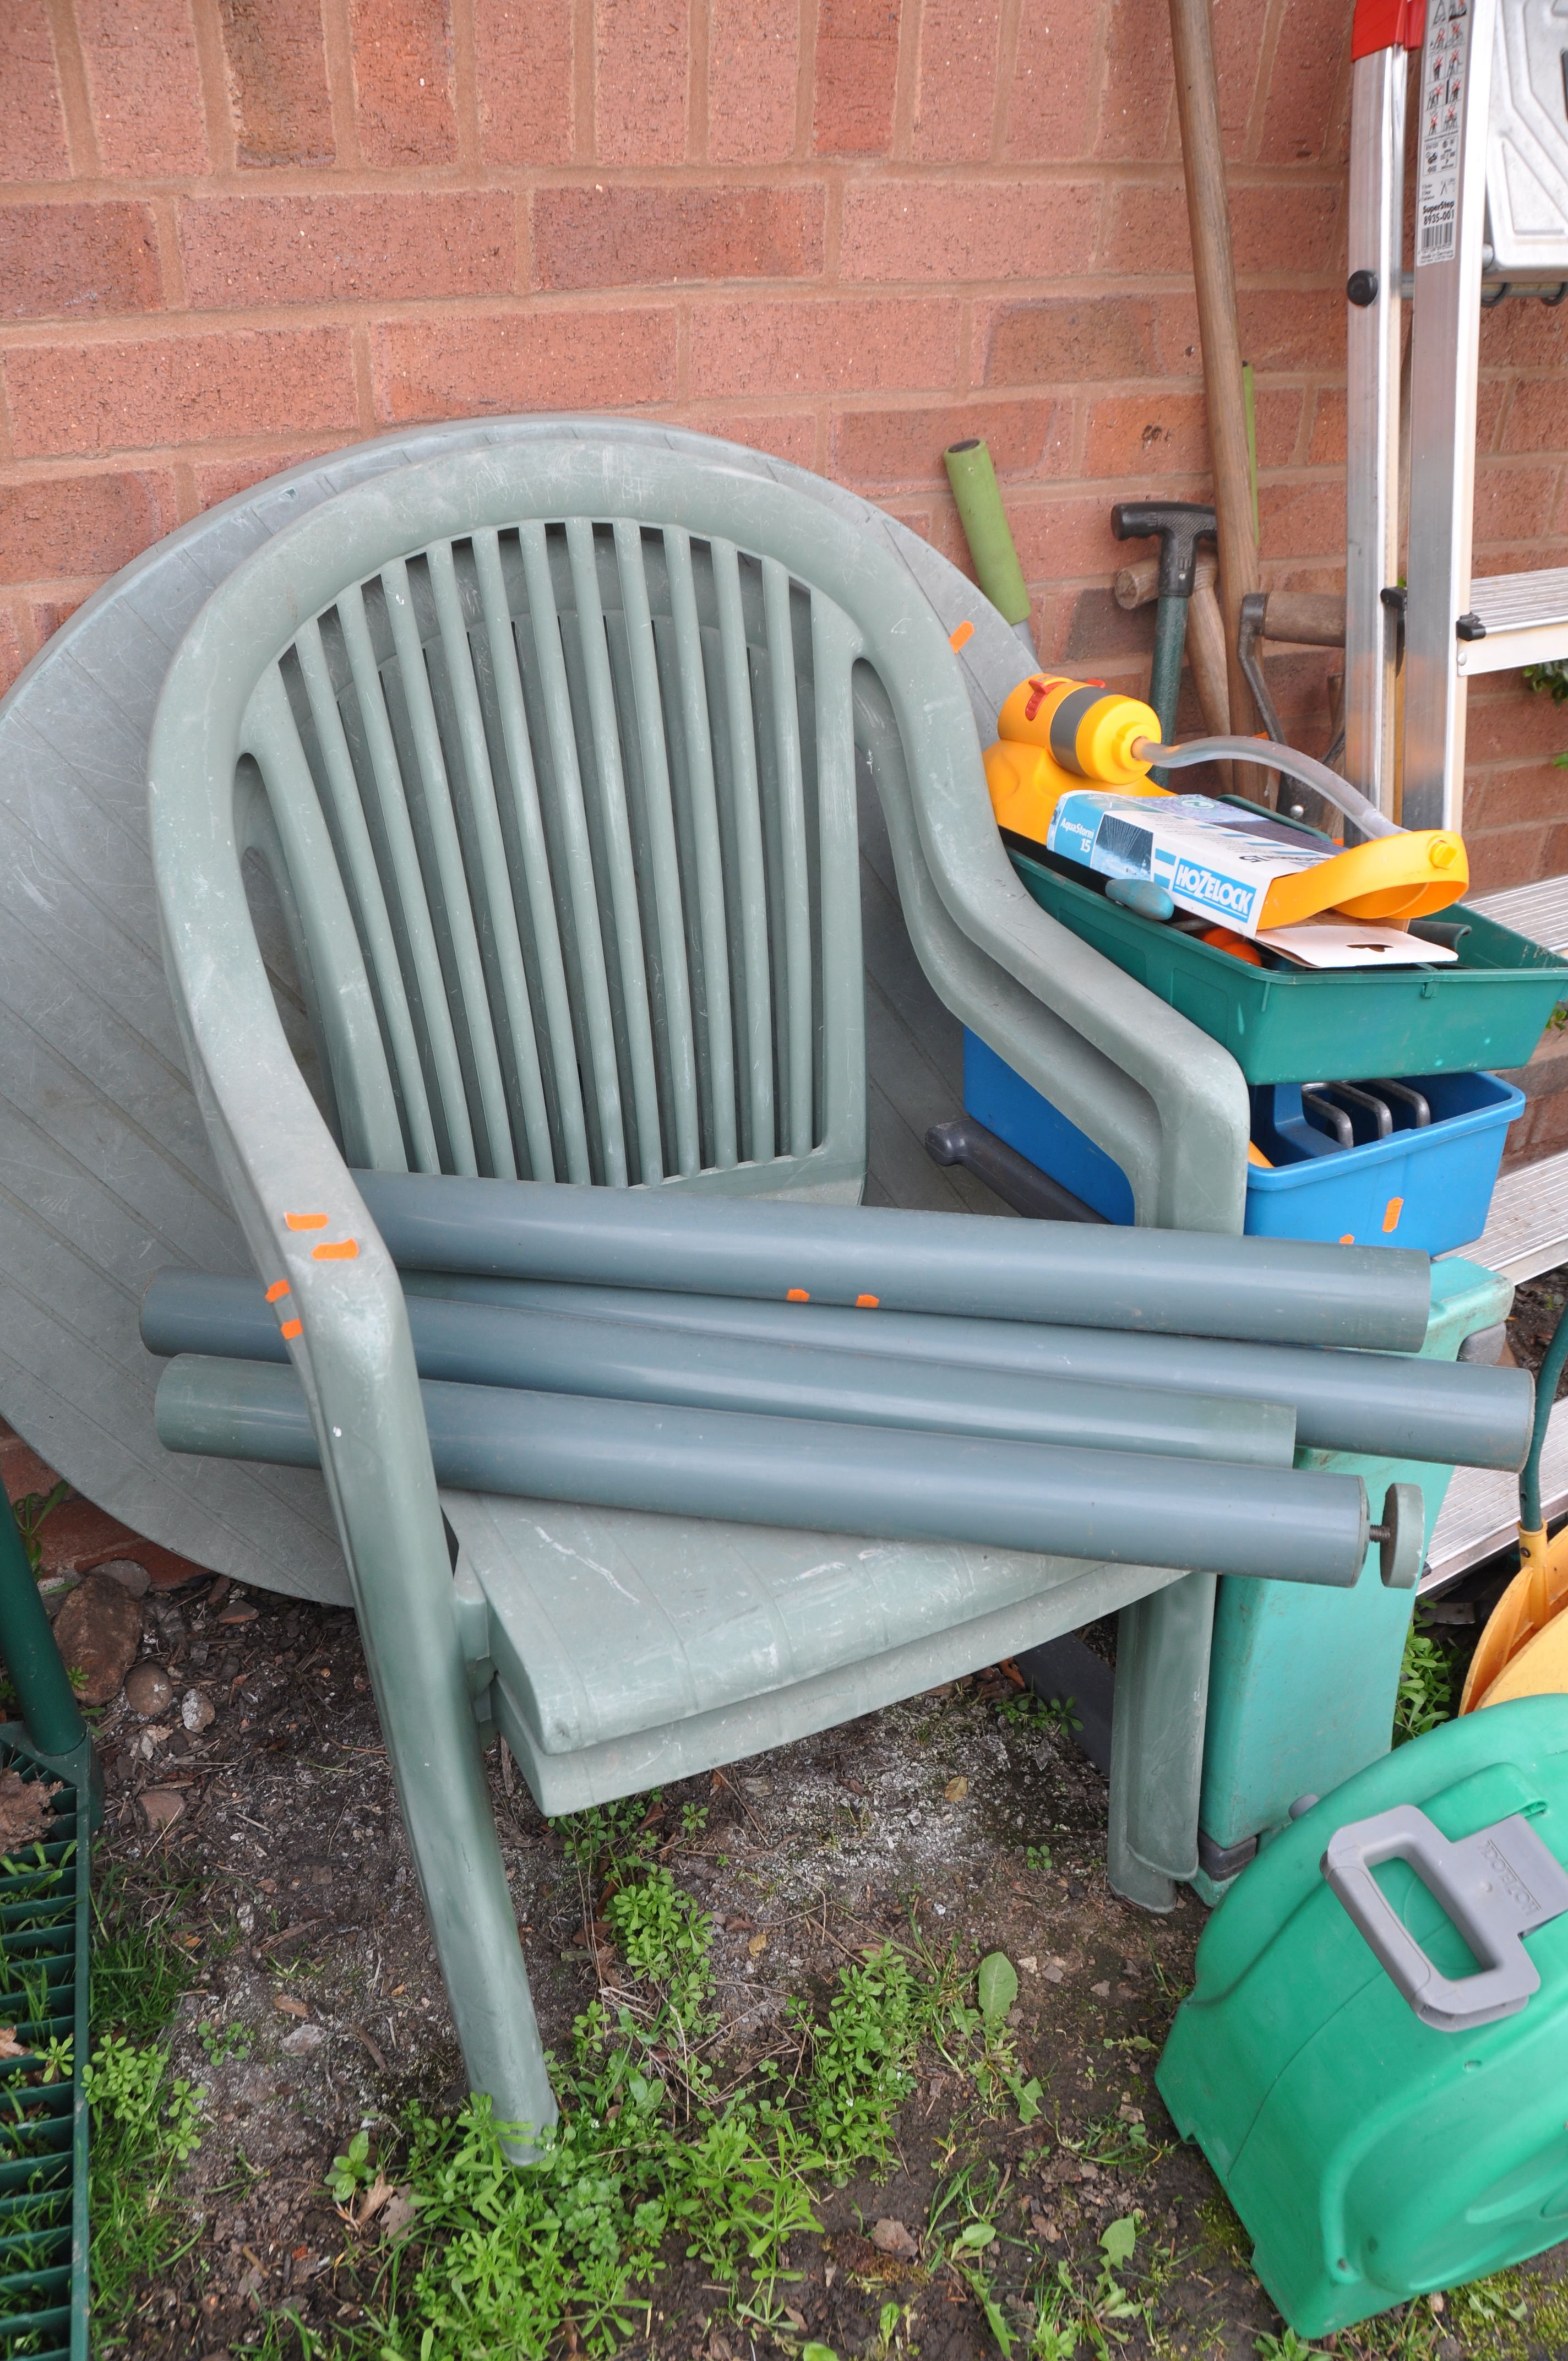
(1487, 1010)
(1372, 2057)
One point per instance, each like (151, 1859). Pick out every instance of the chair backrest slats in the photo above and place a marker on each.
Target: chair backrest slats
(591, 1001)
(427, 986)
(615, 830)
(751, 898)
(667, 948)
(466, 984)
(793, 880)
(355, 1051)
(841, 1050)
(712, 932)
(356, 857)
(585, 793)
(533, 853)
(491, 887)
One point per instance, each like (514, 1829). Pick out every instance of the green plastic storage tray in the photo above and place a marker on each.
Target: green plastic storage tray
(1486, 1011)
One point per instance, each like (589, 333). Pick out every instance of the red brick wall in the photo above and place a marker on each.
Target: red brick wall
(238, 232)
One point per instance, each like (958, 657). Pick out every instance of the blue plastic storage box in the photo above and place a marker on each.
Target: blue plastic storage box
(1429, 1188)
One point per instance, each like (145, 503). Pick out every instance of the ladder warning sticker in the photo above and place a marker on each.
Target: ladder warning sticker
(1442, 115)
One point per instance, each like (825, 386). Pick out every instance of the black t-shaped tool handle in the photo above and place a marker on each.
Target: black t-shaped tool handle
(1181, 525)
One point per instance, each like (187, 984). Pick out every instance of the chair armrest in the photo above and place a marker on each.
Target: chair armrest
(1165, 1102)
(336, 1290)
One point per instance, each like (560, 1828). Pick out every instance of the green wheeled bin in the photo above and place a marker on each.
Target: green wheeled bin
(1372, 2057)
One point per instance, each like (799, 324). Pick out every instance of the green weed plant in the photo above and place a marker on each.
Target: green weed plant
(1425, 1695)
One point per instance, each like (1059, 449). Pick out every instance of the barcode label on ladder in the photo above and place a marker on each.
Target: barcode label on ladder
(1436, 241)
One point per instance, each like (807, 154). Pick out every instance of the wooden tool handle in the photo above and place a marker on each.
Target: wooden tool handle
(1313, 618)
(1135, 585)
(1203, 161)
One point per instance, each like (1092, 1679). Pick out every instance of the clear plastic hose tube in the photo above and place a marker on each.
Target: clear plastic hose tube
(1270, 757)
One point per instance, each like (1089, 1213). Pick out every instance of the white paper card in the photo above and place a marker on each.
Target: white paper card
(1340, 942)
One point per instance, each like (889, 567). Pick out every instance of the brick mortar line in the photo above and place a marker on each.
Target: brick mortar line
(906, 82)
(465, 80)
(523, 241)
(832, 228)
(1009, 20)
(71, 82)
(1032, 496)
(332, 180)
(803, 288)
(852, 402)
(212, 72)
(584, 80)
(1263, 77)
(55, 585)
(804, 78)
(364, 378)
(699, 73)
(187, 504)
(859, 402)
(171, 261)
(645, 294)
(338, 65)
(1032, 492)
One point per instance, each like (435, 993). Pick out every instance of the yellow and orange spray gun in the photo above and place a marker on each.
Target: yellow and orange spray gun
(1061, 740)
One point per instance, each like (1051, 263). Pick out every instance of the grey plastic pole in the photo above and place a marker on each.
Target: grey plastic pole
(551, 1351)
(1388, 1406)
(896, 1486)
(1273, 1291)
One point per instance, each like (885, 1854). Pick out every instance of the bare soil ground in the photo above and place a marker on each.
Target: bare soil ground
(287, 1878)
(265, 1842)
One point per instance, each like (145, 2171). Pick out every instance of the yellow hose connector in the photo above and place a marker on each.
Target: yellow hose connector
(1055, 735)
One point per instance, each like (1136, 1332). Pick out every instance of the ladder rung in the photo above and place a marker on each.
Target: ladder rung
(1481, 1510)
(1539, 910)
(1526, 615)
(1527, 1229)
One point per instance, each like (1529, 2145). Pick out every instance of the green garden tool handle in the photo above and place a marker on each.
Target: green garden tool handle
(1179, 526)
(985, 520)
(49, 1704)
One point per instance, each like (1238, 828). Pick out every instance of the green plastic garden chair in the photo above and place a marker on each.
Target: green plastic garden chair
(547, 756)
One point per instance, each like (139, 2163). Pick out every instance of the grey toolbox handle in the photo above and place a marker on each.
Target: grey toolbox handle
(1496, 1886)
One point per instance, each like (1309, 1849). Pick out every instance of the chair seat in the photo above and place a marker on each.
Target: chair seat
(629, 1648)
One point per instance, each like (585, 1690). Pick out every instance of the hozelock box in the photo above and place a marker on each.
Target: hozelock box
(1209, 856)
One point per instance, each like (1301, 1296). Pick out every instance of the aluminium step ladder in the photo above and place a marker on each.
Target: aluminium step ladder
(1488, 113)
(1526, 1233)
(1486, 103)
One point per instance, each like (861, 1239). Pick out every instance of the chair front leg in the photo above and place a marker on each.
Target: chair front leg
(403, 1593)
(1157, 1740)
